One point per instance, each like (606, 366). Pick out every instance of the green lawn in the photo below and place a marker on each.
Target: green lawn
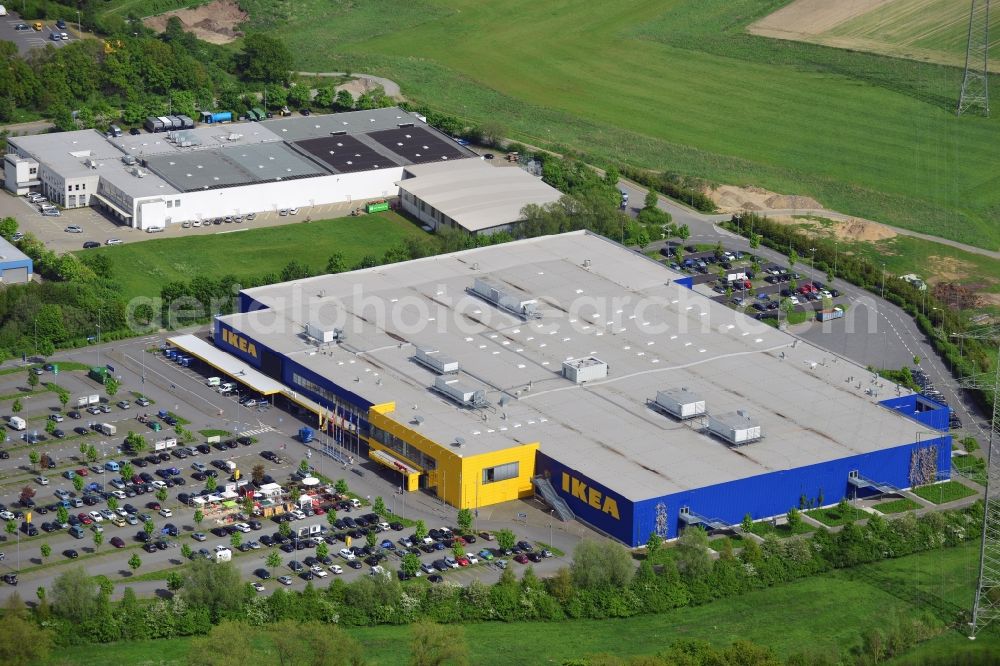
(940, 493)
(143, 268)
(833, 515)
(781, 531)
(897, 506)
(679, 86)
(810, 614)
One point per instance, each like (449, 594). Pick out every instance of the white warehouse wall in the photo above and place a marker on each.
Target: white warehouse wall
(272, 196)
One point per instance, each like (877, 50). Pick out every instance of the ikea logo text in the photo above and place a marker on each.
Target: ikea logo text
(239, 342)
(591, 496)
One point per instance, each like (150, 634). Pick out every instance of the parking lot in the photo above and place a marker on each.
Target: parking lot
(31, 38)
(182, 391)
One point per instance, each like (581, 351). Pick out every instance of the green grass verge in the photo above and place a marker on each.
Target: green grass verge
(214, 433)
(971, 467)
(940, 493)
(809, 612)
(683, 59)
(897, 506)
(781, 531)
(143, 268)
(834, 516)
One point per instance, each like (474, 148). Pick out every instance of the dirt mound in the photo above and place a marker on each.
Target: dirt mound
(215, 22)
(732, 199)
(856, 229)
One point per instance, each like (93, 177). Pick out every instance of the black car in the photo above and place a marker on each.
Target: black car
(435, 578)
(396, 526)
(58, 434)
(354, 564)
(73, 414)
(535, 557)
(134, 131)
(142, 536)
(10, 579)
(149, 547)
(288, 547)
(4, 455)
(263, 574)
(266, 540)
(71, 554)
(295, 565)
(89, 245)
(306, 575)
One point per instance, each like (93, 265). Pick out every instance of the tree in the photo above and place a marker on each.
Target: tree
(652, 199)
(74, 595)
(111, 386)
(211, 484)
(693, 560)
(436, 645)
(273, 560)
(794, 519)
(464, 520)
(653, 544)
(10, 527)
(215, 586)
(505, 539)
(113, 503)
(793, 258)
(331, 517)
(186, 551)
(299, 96)
(257, 474)
(148, 527)
(17, 406)
(410, 565)
(199, 516)
(27, 492)
(379, 508)
(127, 471)
(8, 227)
(135, 442)
(32, 380)
(344, 100)
(236, 637)
(284, 529)
(322, 550)
(134, 562)
(50, 426)
(371, 538)
(683, 232)
(161, 495)
(98, 540)
(78, 483)
(24, 642)
(62, 514)
(600, 565)
(175, 581)
(92, 454)
(46, 550)
(324, 97)
(458, 551)
(235, 540)
(341, 486)
(420, 530)
(747, 523)
(34, 457)
(264, 58)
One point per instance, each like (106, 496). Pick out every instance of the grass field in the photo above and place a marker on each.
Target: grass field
(681, 86)
(897, 506)
(811, 614)
(833, 516)
(142, 268)
(941, 493)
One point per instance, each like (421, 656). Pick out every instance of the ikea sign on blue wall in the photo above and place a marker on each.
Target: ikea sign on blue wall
(592, 502)
(237, 344)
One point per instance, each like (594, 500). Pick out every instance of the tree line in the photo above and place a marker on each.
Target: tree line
(601, 582)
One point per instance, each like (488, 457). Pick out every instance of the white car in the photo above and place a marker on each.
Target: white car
(119, 494)
(794, 300)
(336, 569)
(74, 229)
(166, 513)
(318, 571)
(113, 241)
(7, 515)
(293, 211)
(344, 552)
(159, 484)
(242, 527)
(97, 528)
(259, 586)
(297, 515)
(41, 480)
(196, 223)
(472, 558)
(107, 514)
(96, 516)
(121, 512)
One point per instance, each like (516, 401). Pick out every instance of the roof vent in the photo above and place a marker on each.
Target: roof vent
(505, 298)
(679, 403)
(736, 428)
(463, 395)
(436, 361)
(321, 333)
(585, 369)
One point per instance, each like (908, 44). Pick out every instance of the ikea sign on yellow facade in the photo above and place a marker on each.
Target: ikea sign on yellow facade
(592, 496)
(239, 342)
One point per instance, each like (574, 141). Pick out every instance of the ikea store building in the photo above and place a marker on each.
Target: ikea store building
(575, 370)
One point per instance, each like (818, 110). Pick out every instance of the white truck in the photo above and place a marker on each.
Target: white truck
(107, 429)
(85, 400)
(17, 423)
(168, 443)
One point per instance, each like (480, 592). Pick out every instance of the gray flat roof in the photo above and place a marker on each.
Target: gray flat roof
(9, 253)
(620, 307)
(202, 137)
(66, 152)
(125, 179)
(297, 128)
(475, 194)
(234, 165)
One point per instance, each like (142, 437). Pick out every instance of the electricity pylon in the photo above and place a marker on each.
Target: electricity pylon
(975, 84)
(986, 606)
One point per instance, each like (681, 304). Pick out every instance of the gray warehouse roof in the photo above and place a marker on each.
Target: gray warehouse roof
(475, 194)
(9, 253)
(234, 165)
(67, 152)
(296, 128)
(620, 307)
(201, 137)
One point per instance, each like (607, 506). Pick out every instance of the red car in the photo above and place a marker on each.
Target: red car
(117, 542)
(82, 471)
(85, 519)
(155, 506)
(459, 541)
(521, 558)
(463, 561)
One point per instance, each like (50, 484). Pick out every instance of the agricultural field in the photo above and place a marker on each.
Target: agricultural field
(679, 86)
(810, 613)
(928, 30)
(143, 268)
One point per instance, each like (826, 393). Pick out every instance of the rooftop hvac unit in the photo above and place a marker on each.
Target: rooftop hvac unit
(436, 361)
(90, 163)
(506, 298)
(736, 428)
(128, 160)
(234, 136)
(680, 403)
(338, 133)
(322, 333)
(463, 395)
(583, 370)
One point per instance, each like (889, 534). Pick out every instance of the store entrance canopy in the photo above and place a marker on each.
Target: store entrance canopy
(227, 364)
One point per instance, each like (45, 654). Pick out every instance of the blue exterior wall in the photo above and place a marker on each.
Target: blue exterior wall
(248, 303)
(921, 409)
(290, 367)
(18, 263)
(224, 345)
(687, 281)
(761, 496)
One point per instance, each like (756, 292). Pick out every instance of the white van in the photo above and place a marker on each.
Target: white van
(17, 423)
(213, 381)
(228, 387)
(3, 11)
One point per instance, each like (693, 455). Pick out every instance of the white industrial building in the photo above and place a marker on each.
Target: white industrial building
(216, 170)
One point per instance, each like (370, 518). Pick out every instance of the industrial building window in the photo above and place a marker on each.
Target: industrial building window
(170, 203)
(397, 445)
(32, 171)
(177, 203)
(501, 472)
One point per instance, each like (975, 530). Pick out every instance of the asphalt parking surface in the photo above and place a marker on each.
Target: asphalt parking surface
(32, 39)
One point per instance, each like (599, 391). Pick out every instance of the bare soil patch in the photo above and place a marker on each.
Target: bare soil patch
(217, 22)
(732, 199)
(804, 20)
